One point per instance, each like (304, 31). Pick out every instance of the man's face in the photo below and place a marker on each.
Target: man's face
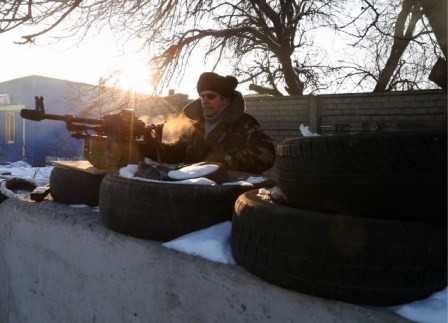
(212, 102)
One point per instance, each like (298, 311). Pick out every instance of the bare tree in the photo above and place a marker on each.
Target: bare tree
(398, 45)
(265, 42)
(403, 35)
(269, 44)
(436, 11)
(270, 37)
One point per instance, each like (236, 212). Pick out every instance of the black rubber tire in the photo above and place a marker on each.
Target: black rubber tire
(393, 175)
(164, 211)
(352, 259)
(9, 187)
(72, 186)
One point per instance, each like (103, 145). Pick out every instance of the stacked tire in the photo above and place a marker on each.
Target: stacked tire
(394, 175)
(364, 218)
(160, 210)
(73, 186)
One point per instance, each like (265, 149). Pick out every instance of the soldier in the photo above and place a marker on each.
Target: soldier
(221, 131)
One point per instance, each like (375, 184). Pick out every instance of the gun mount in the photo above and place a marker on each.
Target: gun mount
(110, 142)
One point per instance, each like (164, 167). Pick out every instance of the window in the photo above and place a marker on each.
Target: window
(10, 124)
(4, 99)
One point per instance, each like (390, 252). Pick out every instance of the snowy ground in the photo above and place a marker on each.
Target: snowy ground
(213, 244)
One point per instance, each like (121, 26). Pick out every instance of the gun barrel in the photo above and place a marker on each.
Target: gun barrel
(38, 116)
(32, 115)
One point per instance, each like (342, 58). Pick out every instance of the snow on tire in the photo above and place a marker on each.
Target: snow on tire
(394, 175)
(352, 259)
(166, 210)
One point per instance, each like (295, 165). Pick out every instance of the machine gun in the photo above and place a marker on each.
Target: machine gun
(110, 142)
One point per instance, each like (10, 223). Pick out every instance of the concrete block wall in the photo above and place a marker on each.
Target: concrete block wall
(61, 264)
(382, 111)
(280, 117)
(343, 113)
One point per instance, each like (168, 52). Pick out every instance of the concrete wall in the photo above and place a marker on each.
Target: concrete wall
(348, 113)
(382, 112)
(60, 264)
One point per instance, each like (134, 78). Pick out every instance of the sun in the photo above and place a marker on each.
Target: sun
(134, 75)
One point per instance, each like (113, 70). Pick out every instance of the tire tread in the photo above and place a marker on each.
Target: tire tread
(353, 259)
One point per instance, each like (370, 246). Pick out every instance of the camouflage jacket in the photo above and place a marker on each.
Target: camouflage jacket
(237, 141)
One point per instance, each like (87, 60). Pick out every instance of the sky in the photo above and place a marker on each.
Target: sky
(97, 56)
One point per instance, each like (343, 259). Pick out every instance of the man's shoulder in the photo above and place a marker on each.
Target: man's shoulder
(245, 123)
(247, 118)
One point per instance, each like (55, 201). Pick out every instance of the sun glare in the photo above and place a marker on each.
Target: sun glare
(134, 76)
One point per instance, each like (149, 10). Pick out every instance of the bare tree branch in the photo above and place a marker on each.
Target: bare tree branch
(269, 43)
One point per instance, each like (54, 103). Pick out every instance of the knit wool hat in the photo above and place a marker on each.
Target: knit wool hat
(210, 81)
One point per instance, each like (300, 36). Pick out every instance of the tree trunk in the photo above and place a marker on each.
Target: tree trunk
(436, 12)
(402, 38)
(385, 76)
(293, 84)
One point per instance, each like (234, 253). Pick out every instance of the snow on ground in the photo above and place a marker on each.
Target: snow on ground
(213, 244)
(24, 170)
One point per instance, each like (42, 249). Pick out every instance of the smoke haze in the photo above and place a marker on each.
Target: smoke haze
(174, 125)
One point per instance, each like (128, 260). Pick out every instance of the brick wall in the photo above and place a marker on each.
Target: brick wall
(349, 113)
